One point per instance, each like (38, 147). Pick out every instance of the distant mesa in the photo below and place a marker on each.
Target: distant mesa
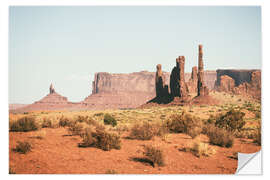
(244, 82)
(140, 89)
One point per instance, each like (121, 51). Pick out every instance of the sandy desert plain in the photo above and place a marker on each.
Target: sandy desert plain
(150, 140)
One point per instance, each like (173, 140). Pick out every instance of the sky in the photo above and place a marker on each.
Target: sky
(66, 46)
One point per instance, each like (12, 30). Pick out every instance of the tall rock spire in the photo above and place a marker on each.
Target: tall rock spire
(52, 89)
(159, 81)
(202, 89)
(182, 84)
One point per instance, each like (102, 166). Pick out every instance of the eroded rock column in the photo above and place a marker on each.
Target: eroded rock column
(52, 89)
(182, 84)
(194, 74)
(202, 89)
(159, 81)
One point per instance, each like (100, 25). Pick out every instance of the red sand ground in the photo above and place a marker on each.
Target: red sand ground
(59, 154)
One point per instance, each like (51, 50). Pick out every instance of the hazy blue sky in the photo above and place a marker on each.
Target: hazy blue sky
(67, 45)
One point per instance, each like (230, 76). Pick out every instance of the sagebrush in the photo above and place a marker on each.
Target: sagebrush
(24, 124)
(219, 136)
(100, 139)
(155, 155)
(23, 147)
(185, 123)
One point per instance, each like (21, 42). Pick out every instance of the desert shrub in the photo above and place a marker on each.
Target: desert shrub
(120, 128)
(185, 123)
(82, 118)
(232, 120)
(47, 123)
(100, 139)
(77, 128)
(98, 114)
(249, 134)
(100, 127)
(64, 122)
(86, 119)
(109, 120)
(23, 147)
(87, 137)
(155, 155)
(144, 131)
(106, 141)
(220, 137)
(24, 124)
(212, 119)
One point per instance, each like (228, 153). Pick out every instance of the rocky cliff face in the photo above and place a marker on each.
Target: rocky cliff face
(239, 76)
(134, 82)
(244, 82)
(143, 82)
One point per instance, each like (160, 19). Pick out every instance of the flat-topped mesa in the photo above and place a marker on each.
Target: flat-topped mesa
(52, 90)
(159, 82)
(202, 89)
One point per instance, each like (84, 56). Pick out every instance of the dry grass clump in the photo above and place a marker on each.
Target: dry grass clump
(219, 136)
(199, 148)
(100, 139)
(23, 147)
(202, 149)
(155, 155)
(24, 124)
(185, 123)
(146, 131)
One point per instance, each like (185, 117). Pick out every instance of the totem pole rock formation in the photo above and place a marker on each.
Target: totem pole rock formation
(177, 79)
(52, 89)
(193, 81)
(183, 88)
(159, 82)
(202, 88)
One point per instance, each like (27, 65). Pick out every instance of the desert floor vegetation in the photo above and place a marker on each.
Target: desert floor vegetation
(170, 139)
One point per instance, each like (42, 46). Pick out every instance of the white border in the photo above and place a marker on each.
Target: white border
(4, 75)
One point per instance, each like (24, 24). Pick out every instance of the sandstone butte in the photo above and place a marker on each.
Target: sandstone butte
(121, 91)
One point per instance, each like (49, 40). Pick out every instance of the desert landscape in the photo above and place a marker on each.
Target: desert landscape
(142, 123)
